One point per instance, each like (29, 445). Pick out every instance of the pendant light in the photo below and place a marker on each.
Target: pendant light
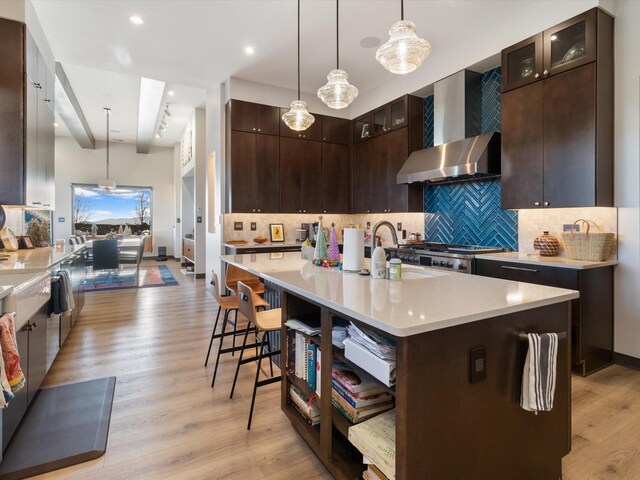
(298, 118)
(338, 92)
(107, 184)
(404, 51)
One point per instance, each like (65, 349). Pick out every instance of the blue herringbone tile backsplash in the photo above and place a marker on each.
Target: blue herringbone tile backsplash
(469, 212)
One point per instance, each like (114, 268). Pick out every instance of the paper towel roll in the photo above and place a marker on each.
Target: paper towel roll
(353, 253)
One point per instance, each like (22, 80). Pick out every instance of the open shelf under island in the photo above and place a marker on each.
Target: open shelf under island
(446, 426)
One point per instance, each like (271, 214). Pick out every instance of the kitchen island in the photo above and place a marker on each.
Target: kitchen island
(446, 426)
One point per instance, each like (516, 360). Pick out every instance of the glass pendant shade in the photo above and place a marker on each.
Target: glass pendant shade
(404, 52)
(298, 118)
(338, 92)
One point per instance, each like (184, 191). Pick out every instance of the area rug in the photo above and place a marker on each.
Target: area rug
(64, 426)
(154, 276)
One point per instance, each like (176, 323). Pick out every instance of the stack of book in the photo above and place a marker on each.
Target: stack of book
(305, 406)
(306, 359)
(356, 395)
(376, 440)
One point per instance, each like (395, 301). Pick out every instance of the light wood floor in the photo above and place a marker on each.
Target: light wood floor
(168, 424)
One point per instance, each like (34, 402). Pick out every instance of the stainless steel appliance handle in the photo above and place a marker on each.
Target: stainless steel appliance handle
(522, 269)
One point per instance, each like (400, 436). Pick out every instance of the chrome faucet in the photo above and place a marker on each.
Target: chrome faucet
(394, 236)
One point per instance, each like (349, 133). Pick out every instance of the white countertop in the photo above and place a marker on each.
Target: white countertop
(562, 262)
(429, 300)
(264, 245)
(5, 291)
(37, 259)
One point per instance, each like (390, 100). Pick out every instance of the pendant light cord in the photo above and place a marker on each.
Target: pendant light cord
(401, 9)
(337, 36)
(298, 49)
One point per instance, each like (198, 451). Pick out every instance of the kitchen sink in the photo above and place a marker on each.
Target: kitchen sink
(415, 273)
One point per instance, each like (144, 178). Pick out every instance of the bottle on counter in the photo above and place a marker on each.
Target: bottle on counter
(395, 269)
(379, 262)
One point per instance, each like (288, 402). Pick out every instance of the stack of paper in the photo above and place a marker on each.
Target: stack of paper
(380, 346)
(295, 324)
(356, 395)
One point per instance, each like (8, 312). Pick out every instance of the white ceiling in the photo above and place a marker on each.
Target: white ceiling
(199, 42)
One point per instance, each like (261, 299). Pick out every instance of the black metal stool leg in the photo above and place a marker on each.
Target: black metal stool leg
(215, 325)
(255, 384)
(270, 356)
(244, 343)
(235, 331)
(224, 326)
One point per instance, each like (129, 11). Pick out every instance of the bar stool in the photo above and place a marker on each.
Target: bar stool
(235, 275)
(229, 304)
(265, 322)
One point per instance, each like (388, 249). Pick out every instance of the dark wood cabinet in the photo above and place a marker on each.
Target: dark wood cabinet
(557, 133)
(27, 134)
(396, 130)
(591, 314)
(336, 130)
(361, 178)
(254, 117)
(522, 63)
(563, 47)
(336, 180)
(300, 176)
(12, 415)
(313, 133)
(254, 173)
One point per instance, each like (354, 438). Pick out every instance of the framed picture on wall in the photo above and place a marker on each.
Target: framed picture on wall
(277, 232)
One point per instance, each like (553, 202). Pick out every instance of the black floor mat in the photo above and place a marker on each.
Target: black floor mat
(64, 425)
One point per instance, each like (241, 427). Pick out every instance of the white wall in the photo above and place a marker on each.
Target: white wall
(216, 99)
(155, 169)
(627, 176)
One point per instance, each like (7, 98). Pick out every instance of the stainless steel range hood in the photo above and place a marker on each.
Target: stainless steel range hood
(460, 153)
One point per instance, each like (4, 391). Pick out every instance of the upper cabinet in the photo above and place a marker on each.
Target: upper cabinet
(568, 45)
(27, 136)
(557, 133)
(313, 133)
(383, 139)
(254, 117)
(273, 169)
(336, 130)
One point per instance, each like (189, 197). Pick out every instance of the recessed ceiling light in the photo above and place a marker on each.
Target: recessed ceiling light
(249, 50)
(370, 42)
(55, 124)
(157, 135)
(171, 93)
(135, 19)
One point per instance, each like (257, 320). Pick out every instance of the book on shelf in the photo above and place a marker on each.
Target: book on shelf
(376, 440)
(311, 365)
(357, 400)
(318, 370)
(357, 415)
(357, 382)
(373, 473)
(304, 405)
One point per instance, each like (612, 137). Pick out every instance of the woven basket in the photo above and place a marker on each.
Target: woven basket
(589, 246)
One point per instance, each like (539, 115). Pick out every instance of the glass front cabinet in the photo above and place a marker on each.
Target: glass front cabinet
(566, 46)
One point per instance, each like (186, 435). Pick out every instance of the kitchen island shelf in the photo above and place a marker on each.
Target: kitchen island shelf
(436, 406)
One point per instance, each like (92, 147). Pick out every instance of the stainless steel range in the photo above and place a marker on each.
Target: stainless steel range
(441, 255)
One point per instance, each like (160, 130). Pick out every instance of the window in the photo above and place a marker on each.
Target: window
(120, 210)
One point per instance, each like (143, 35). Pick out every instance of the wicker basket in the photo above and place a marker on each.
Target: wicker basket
(589, 246)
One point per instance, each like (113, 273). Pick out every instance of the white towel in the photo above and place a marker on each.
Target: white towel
(64, 276)
(539, 375)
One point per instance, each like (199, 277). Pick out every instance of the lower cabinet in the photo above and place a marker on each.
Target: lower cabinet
(32, 345)
(591, 314)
